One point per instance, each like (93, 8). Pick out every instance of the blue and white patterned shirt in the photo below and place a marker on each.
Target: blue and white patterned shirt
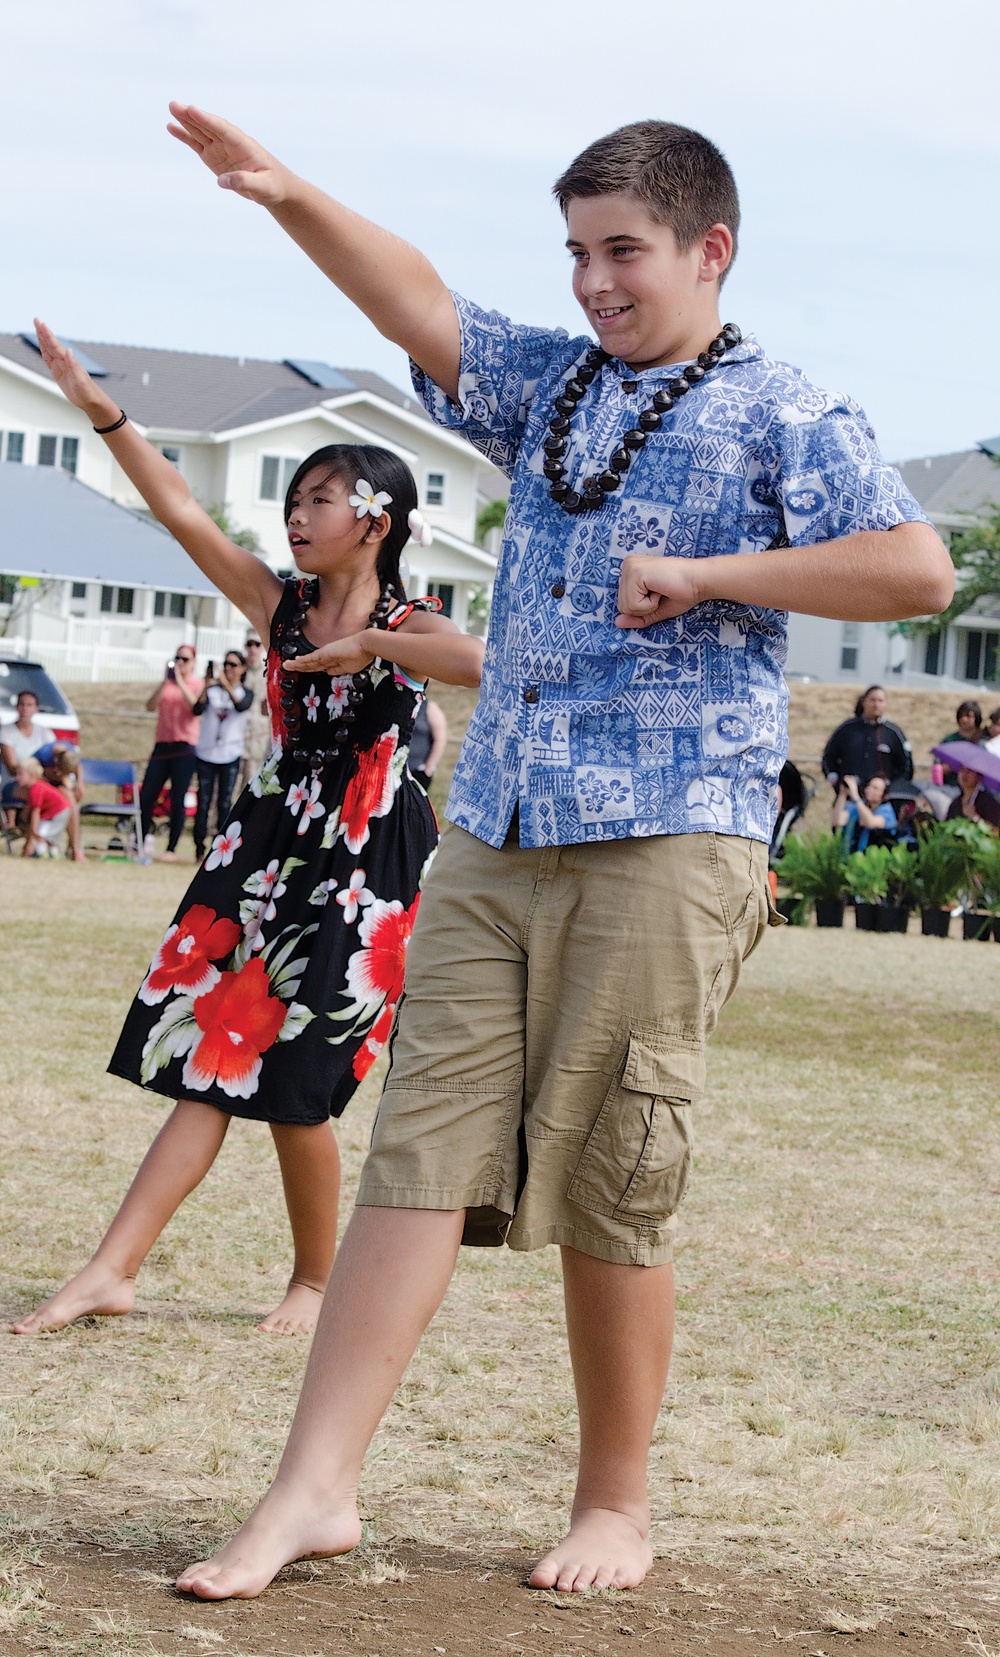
(599, 733)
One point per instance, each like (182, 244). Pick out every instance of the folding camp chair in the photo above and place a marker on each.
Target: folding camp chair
(125, 813)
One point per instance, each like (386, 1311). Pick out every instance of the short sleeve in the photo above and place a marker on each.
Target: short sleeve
(828, 472)
(502, 363)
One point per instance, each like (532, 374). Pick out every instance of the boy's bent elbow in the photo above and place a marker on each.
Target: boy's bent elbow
(929, 581)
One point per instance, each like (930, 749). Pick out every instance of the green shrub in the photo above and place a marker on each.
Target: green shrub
(938, 867)
(866, 874)
(813, 869)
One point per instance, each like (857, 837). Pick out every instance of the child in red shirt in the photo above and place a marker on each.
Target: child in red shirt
(48, 810)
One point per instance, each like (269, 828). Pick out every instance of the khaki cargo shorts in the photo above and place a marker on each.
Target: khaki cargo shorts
(551, 1040)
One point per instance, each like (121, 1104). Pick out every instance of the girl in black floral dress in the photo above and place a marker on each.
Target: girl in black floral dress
(274, 987)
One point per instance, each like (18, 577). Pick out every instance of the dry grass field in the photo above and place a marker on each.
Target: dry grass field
(827, 1465)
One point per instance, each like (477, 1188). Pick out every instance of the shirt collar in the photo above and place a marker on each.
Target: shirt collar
(748, 350)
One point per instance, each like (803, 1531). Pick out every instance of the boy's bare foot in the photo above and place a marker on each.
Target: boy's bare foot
(97, 1291)
(286, 1525)
(604, 1549)
(297, 1313)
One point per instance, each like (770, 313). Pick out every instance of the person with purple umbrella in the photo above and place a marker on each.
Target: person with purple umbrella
(978, 772)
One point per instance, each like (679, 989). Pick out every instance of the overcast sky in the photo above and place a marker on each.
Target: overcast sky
(864, 135)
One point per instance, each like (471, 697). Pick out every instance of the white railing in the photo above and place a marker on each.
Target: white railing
(88, 657)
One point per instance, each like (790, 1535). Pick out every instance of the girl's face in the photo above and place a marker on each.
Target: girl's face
(967, 723)
(876, 791)
(324, 530)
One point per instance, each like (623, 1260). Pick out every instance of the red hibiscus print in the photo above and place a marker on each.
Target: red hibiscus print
(370, 791)
(375, 973)
(239, 1019)
(274, 695)
(184, 958)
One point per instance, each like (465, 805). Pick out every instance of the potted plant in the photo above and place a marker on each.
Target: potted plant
(986, 882)
(866, 878)
(974, 843)
(936, 877)
(813, 871)
(894, 911)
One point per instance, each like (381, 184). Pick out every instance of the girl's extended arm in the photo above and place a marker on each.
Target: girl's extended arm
(245, 579)
(384, 276)
(875, 575)
(424, 646)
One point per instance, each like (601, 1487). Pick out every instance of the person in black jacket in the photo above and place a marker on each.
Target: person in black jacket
(868, 745)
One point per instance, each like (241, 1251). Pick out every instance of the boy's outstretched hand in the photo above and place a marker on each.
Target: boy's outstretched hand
(238, 162)
(655, 589)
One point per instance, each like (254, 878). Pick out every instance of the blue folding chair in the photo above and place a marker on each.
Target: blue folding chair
(125, 813)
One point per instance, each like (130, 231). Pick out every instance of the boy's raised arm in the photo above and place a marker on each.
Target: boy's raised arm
(395, 286)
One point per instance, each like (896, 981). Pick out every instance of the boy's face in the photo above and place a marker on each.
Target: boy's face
(648, 301)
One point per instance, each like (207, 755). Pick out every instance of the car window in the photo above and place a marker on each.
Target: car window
(18, 676)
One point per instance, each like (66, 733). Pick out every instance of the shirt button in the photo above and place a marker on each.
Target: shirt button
(531, 693)
(559, 590)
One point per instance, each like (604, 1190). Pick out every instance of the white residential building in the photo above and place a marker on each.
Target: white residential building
(236, 428)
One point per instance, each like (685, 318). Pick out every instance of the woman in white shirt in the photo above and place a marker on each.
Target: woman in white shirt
(223, 705)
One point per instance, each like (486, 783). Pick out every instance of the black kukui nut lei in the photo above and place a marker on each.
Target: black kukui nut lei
(596, 489)
(291, 707)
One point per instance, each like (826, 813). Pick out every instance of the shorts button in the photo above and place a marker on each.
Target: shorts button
(559, 590)
(531, 693)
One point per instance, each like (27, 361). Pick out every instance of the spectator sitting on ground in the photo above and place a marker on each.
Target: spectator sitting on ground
(975, 800)
(257, 738)
(863, 815)
(18, 742)
(47, 808)
(868, 745)
(61, 767)
(223, 705)
(428, 741)
(969, 720)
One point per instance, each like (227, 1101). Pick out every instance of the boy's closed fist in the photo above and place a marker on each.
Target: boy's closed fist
(654, 589)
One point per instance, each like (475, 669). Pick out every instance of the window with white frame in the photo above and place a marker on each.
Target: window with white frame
(171, 452)
(78, 598)
(276, 473)
(173, 605)
(12, 446)
(435, 488)
(850, 646)
(65, 450)
(445, 591)
(117, 601)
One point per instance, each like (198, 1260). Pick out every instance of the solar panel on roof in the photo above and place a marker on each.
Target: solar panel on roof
(87, 362)
(320, 373)
(991, 446)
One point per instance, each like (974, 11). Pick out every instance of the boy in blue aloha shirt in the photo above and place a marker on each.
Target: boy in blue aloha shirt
(602, 874)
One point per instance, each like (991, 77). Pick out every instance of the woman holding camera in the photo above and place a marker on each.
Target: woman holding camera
(224, 705)
(173, 757)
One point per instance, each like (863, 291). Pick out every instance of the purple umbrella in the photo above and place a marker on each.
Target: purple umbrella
(972, 757)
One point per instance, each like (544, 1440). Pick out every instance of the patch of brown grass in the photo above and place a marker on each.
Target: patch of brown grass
(832, 1411)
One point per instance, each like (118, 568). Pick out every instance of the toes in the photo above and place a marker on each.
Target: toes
(544, 1574)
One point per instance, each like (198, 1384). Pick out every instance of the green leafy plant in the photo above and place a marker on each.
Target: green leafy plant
(972, 840)
(985, 869)
(813, 869)
(866, 874)
(938, 867)
(899, 874)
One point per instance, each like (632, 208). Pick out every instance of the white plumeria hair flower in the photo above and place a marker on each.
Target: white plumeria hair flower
(420, 529)
(366, 500)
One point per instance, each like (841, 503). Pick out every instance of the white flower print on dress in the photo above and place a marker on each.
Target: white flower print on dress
(320, 895)
(311, 703)
(355, 896)
(313, 806)
(225, 847)
(297, 796)
(336, 702)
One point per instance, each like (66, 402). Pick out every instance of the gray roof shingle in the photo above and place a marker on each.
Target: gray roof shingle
(955, 485)
(189, 391)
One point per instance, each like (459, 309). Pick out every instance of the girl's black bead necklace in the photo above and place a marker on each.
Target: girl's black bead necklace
(291, 707)
(595, 490)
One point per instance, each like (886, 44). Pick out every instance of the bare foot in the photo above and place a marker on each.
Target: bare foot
(168, 857)
(604, 1549)
(286, 1525)
(297, 1313)
(97, 1291)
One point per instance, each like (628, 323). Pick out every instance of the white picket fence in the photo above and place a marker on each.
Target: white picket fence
(90, 658)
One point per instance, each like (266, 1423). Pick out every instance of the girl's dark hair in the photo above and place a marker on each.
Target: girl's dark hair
(859, 706)
(970, 707)
(349, 462)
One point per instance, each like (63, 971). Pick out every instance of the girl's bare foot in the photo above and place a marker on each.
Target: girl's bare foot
(604, 1549)
(97, 1291)
(297, 1313)
(286, 1525)
(168, 857)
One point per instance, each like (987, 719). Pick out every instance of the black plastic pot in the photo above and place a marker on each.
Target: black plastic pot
(865, 916)
(829, 911)
(996, 929)
(787, 907)
(892, 917)
(934, 923)
(975, 926)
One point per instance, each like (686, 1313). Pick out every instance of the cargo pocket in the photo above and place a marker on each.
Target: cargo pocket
(637, 1161)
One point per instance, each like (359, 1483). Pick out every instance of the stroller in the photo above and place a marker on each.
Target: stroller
(796, 791)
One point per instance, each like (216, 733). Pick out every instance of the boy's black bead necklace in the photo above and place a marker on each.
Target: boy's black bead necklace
(595, 490)
(291, 708)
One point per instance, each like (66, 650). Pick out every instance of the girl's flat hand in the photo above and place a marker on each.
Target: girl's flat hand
(342, 657)
(238, 162)
(73, 381)
(654, 589)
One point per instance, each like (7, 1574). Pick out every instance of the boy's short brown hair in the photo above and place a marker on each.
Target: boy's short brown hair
(679, 176)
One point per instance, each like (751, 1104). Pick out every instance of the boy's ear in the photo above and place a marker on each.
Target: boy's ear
(716, 253)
